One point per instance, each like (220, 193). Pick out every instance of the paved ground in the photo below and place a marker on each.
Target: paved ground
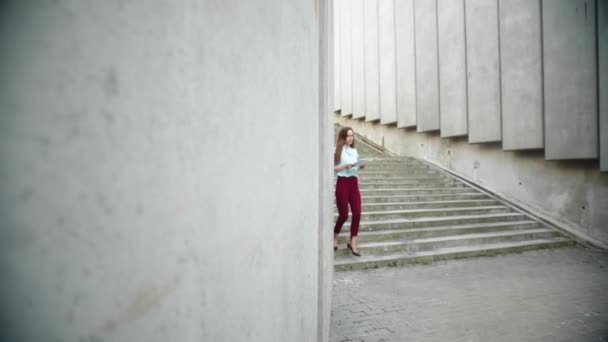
(547, 295)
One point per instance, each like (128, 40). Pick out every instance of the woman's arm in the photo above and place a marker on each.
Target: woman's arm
(342, 167)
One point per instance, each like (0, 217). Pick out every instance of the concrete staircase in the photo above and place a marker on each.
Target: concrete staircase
(416, 213)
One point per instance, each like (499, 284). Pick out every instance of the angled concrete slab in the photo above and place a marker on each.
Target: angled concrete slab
(346, 89)
(452, 68)
(337, 55)
(483, 71)
(388, 88)
(406, 63)
(521, 74)
(372, 72)
(570, 79)
(358, 59)
(427, 69)
(602, 16)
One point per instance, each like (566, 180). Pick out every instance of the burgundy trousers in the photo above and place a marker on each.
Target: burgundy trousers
(347, 192)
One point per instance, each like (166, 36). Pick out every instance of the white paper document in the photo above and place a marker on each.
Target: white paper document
(361, 162)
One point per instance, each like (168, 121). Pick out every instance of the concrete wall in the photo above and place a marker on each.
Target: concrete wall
(602, 17)
(521, 74)
(346, 74)
(406, 63)
(427, 73)
(358, 52)
(572, 194)
(452, 68)
(144, 194)
(337, 48)
(483, 68)
(570, 79)
(372, 72)
(386, 33)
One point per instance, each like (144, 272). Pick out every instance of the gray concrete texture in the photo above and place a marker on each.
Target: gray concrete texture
(142, 198)
(358, 53)
(526, 85)
(406, 63)
(549, 295)
(346, 74)
(372, 76)
(573, 195)
(452, 68)
(521, 74)
(337, 52)
(483, 70)
(602, 16)
(386, 45)
(570, 79)
(427, 89)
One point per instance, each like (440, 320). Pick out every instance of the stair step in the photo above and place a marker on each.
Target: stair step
(415, 191)
(428, 204)
(401, 179)
(434, 221)
(397, 174)
(422, 244)
(350, 262)
(413, 185)
(432, 212)
(417, 233)
(422, 197)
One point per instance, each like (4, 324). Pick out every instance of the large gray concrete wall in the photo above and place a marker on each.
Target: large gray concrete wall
(570, 79)
(358, 52)
(512, 72)
(406, 63)
(372, 72)
(346, 74)
(427, 73)
(388, 88)
(521, 74)
(571, 194)
(336, 52)
(483, 68)
(144, 194)
(452, 68)
(602, 15)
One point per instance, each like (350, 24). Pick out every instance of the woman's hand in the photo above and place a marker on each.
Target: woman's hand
(361, 167)
(348, 166)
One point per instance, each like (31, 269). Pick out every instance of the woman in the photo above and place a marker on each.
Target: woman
(347, 187)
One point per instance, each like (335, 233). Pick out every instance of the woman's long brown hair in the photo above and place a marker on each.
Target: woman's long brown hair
(340, 143)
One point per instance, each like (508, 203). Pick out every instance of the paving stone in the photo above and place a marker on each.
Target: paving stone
(545, 295)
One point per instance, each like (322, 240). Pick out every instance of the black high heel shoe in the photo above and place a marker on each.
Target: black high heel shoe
(335, 248)
(352, 251)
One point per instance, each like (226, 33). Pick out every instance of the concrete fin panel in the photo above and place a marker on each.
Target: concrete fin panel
(337, 57)
(358, 59)
(570, 79)
(388, 87)
(452, 68)
(427, 68)
(346, 90)
(372, 72)
(406, 63)
(602, 30)
(483, 70)
(521, 74)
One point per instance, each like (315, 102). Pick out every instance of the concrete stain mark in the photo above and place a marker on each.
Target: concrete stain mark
(109, 118)
(110, 84)
(143, 301)
(26, 194)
